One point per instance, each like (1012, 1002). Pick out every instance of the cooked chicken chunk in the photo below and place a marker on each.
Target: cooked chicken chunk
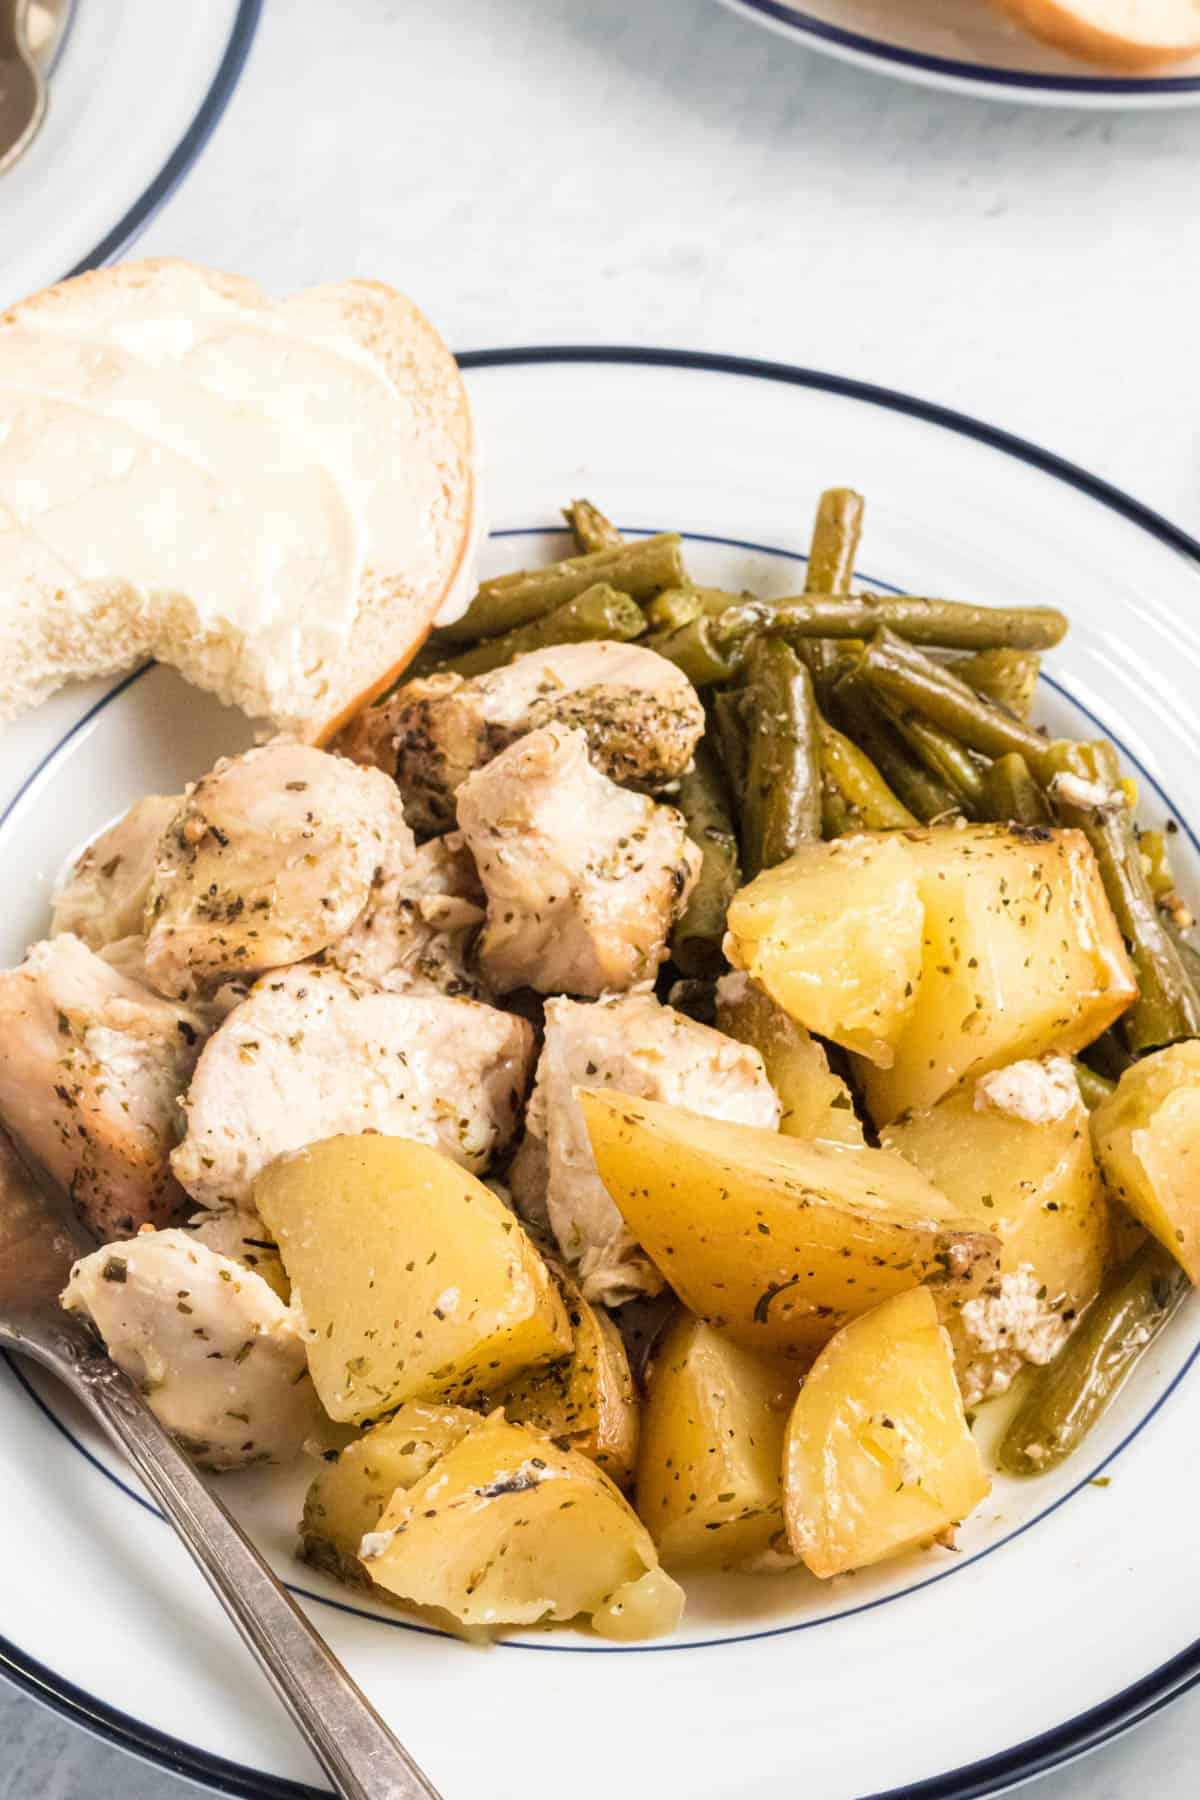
(583, 878)
(242, 1236)
(640, 715)
(416, 932)
(104, 896)
(217, 1353)
(309, 1055)
(640, 1047)
(91, 1069)
(128, 956)
(270, 858)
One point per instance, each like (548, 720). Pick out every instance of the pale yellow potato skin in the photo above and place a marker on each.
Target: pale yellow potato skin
(1035, 1185)
(878, 1457)
(834, 935)
(777, 1242)
(709, 1478)
(509, 1529)
(1147, 1137)
(1022, 956)
(816, 1102)
(349, 1494)
(414, 1280)
(589, 1402)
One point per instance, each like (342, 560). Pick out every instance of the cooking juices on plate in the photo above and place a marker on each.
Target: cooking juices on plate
(643, 949)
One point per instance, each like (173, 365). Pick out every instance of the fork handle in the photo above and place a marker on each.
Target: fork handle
(356, 1749)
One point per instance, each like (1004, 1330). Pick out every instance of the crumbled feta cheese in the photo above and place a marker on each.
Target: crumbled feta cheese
(1005, 1329)
(1076, 791)
(733, 988)
(374, 1544)
(1039, 1092)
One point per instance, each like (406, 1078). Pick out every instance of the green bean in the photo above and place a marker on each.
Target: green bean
(905, 678)
(1094, 1088)
(834, 545)
(641, 569)
(1189, 955)
(1011, 795)
(600, 612)
(861, 720)
(1156, 862)
(854, 795)
(782, 802)
(694, 649)
(1168, 1004)
(727, 709)
(697, 997)
(944, 757)
(675, 607)
(827, 660)
(590, 528)
(1009, 677)
(947, 623)
(700, 931)
(1107, 1055)
(1069, 1394)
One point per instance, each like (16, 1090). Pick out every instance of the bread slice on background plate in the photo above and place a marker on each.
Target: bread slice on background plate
(276, 497)
(1130, 35)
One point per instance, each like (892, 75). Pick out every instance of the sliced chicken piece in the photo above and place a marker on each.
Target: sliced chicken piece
(128, 956)
(242, 1236)
(271, 858)
(416, 932)
(91, 1069)
(310, 1055)
(217, 1353)
(103, 898)
(583, 878)
(641, 1047)
(641, 716)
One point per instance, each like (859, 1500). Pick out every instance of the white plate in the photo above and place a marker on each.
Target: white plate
(1070, 1610)
(136, 90)
(966, 47)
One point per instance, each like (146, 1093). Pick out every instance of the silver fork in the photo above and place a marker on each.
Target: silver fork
(38, 1243)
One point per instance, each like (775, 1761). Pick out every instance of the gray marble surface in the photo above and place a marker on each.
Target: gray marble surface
(657, 171)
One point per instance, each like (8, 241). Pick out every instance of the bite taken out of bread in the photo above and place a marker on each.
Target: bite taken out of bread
(276, 497)
(1128, 35)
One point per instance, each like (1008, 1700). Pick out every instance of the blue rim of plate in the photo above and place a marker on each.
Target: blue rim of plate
(188, 149)
(1088, 1730)
(980, 74)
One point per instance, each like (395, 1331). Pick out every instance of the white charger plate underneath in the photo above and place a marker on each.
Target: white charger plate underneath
(1068, 1610)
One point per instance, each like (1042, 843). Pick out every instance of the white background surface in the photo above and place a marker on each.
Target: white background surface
(657, 171)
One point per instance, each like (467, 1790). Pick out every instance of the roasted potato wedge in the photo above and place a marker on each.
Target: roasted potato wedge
(509, 1529)
(878, 1457)
(816, 1102)
(415, 1281)
(1022, 956)
(709, 1471)
(773, 1241)
(834, 935)
(1032, 1180)
(354, 1486)
(588, 1402)
(1147, 1137)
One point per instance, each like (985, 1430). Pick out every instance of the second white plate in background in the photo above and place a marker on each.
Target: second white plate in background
(135, 92)
(965, 46)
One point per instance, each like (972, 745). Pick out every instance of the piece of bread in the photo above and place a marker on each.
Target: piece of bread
(1124, 34)
(277, 497)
